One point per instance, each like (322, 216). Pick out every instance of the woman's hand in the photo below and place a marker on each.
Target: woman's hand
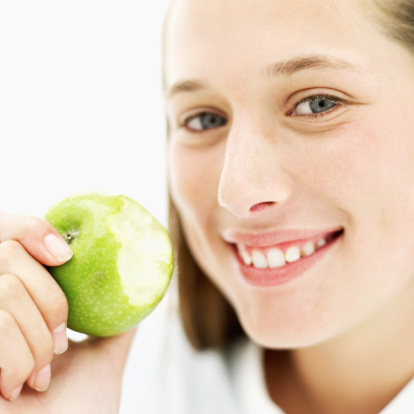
(33, 315)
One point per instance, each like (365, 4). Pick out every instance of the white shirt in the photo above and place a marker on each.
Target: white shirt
(165, 375)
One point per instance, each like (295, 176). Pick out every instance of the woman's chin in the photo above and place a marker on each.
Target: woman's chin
(288, 336)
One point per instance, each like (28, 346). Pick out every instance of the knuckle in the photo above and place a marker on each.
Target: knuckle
(21, 363)
(57, 305)
(11, 249)
(11, 288)
(27, 364)
(43, 353)
(7, 321)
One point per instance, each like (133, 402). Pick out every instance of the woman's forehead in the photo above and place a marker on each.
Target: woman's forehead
(227, 34)
(230, 14)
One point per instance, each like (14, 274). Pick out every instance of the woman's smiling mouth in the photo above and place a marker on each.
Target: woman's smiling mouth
(277, 263)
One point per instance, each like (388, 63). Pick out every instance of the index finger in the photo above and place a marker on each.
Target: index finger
(37, 236)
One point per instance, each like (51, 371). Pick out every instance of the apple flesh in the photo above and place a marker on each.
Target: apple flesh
(121, 265)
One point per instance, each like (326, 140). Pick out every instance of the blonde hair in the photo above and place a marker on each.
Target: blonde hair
(396, 20)
(208, 319)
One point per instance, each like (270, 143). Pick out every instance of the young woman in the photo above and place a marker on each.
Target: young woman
(291, 167)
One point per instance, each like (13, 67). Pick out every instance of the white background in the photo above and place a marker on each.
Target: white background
(81, 102)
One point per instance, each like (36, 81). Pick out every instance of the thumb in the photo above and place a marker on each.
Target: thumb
(37, 236)
(115, 347)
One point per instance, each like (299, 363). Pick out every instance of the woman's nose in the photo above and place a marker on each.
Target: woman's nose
(252, 180)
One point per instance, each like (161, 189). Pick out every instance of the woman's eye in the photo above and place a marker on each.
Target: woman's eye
(204, 121)
(315, 105)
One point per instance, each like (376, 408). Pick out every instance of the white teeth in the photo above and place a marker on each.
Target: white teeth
(245, 256)
(292, 254)
(320, 243)
(258, 259)
(275, 258)
(308, 249)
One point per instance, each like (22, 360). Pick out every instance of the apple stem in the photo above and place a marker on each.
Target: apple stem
(71, 236)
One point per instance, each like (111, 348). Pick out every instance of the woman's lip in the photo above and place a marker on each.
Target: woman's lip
(277, 237)
(279, 276)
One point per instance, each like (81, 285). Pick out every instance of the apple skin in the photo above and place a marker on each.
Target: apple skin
(121, 265)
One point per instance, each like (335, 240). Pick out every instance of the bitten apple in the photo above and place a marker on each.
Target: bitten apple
(121, 266)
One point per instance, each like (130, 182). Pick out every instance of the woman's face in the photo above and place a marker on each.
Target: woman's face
(291, 161)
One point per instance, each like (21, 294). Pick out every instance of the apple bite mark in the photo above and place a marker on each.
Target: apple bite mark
(144, 256)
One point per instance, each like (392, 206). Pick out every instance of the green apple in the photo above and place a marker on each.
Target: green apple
(121, 266)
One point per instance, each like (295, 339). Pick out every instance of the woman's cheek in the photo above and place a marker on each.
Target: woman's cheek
(194, 175)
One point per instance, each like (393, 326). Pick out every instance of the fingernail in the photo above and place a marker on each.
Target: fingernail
(60, 339)
(14, 395)
(42, 379)
(58, 248)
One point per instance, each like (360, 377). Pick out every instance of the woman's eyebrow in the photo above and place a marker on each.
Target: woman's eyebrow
(290, 67)
(284, 68)
(185, 86)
